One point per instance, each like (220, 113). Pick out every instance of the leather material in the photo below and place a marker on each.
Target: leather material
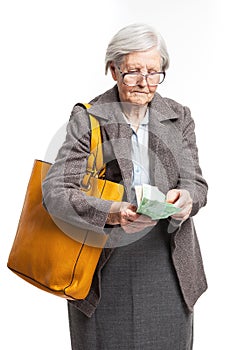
(42, 254)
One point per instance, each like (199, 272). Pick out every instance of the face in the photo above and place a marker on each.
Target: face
(144, 62)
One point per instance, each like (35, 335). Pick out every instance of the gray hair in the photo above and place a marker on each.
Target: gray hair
(135, 37)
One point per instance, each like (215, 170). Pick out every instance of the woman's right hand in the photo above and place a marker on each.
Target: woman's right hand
(124, 214)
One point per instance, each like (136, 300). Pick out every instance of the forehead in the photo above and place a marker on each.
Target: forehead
(148, 58)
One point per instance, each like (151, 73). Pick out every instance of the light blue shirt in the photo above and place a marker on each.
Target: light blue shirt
(140, 153)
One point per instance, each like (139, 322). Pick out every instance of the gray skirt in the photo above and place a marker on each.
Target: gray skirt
(141, 307)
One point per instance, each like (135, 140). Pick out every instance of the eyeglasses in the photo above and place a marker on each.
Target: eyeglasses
(134, 78)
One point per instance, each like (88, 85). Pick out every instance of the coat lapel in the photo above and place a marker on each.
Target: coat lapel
(164, 141)
(120, 140)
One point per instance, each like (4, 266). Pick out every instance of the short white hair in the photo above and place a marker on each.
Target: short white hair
(135, 37)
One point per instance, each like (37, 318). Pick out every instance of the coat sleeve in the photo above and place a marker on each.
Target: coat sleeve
(62, 196)
(191, 177)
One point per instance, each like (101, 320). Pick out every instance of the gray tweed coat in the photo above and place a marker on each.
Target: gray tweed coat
(173, 164)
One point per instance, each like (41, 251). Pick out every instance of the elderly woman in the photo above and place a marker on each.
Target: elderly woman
(146, 284)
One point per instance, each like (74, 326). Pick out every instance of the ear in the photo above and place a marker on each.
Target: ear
(113, 71)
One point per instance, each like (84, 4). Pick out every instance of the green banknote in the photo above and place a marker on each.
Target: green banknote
(152, 202)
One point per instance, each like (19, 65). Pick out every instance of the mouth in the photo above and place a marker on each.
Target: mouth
(140, 92)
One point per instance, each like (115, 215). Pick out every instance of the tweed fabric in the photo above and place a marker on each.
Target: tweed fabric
(141, 308)
(173, 164)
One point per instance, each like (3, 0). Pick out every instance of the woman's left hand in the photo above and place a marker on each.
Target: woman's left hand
(181, 199)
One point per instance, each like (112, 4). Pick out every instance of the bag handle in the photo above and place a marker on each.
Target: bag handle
(95, 164)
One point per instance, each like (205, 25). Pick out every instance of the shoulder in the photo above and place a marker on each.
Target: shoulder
(79, 109)
(176, 112)
(175, 106)
(79, 123)
(108, 96)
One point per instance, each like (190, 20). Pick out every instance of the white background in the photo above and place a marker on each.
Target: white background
(52, 56)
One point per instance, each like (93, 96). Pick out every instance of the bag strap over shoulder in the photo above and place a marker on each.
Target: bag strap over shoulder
(95, 164)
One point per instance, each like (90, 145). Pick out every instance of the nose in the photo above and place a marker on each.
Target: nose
(142, 81)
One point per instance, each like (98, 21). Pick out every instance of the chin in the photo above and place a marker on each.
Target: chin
(139, 101)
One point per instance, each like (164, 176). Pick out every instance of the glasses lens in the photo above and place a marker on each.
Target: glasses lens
(131, 79)
(155, 78)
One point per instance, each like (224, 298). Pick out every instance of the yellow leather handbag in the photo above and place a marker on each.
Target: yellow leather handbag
(42, 254)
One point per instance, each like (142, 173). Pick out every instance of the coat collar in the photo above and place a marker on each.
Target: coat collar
(102, 106)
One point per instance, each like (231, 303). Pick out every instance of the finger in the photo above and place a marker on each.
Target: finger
(182, 215)
(131, 216)
(172, 196)
(184, 201)
(178, 217)
(143, 219)
(131, 208)
(181, 220)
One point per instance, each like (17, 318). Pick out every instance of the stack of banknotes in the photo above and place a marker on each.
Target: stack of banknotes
(152, 202)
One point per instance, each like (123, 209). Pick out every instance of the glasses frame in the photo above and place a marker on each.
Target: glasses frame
(143, 75)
